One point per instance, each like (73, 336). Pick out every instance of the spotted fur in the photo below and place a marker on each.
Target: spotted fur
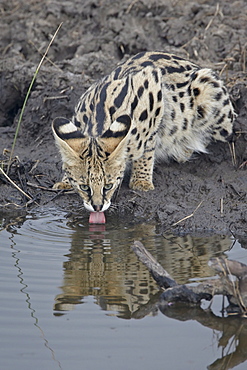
(153, 106)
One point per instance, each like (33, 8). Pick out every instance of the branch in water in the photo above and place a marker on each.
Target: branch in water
(236, 291)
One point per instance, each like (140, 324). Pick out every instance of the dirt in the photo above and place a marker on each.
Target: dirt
(208, 193)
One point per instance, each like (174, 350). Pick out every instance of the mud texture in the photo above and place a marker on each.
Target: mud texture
(206, 193)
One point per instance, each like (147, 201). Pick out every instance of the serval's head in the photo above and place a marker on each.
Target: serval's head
(94, 165)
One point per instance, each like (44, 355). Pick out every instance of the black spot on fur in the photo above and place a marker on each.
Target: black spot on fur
(182, 84)
(151, 101)
(77, 123)
(159, 95)
(143, 115)
(116, 74)
(224, 132)
(146, 83)
(128, 71)
(204, 80)
(230, 115)
(134, 104)
(139, 145)
(171, 69)
(146, 64)
(155, 74)
(85, 118)
(140, 91)
(175, 99)
(176, 57)
(185, 124)
(194, 76)
(191, 103)
(91, 106)
(121, 96)
(173, 130)
(134, 131)
(156, 57)
(100, 109)
(196, 91)
(112, 110)
(215, 84)
(139, 55)
(83, 107)
(218, 96)
(182, 107)
(226, 102)
(181, 94)
(222, 118)
(173, 114)
(157, 112)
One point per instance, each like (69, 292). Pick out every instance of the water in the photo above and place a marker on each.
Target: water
(75, 296)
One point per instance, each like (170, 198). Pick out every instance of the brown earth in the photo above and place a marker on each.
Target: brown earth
(94, 37)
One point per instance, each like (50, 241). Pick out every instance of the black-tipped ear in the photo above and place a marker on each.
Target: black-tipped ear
(65, 129)
(119, 128)
(69, 139)
(113, 139)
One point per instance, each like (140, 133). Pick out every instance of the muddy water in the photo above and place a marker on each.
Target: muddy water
(74, 296)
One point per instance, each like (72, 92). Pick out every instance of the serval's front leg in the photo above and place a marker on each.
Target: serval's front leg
(142, 172)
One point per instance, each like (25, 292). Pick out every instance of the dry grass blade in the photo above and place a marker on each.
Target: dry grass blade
(27, 95)
(233, 153)
(214, 16)
(14, 184)
(189, 216)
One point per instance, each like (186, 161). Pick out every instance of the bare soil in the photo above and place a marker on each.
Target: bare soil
(208, 193)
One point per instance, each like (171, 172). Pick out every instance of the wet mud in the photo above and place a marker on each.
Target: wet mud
(208, 193)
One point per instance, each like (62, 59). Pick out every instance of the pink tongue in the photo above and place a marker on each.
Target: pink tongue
(97, 218)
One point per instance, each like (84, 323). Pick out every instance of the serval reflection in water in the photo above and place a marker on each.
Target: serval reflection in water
(101, 264)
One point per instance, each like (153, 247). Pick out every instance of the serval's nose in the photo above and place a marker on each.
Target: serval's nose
(97, 207)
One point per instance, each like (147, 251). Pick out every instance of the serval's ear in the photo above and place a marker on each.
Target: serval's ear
(69, 139)
(112, 138)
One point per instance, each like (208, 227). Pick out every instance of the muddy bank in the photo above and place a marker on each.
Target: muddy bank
(94, 37)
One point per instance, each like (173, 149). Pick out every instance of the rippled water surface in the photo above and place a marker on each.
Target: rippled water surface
(74, 296)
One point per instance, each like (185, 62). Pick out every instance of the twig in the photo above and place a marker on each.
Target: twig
(214, 16)
(41, 187)
(54, 98)
(189, 216)
(10, 204)
(131, 5)
(233, 153)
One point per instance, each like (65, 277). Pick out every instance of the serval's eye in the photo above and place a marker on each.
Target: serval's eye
(108, 186)
(84, 187)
